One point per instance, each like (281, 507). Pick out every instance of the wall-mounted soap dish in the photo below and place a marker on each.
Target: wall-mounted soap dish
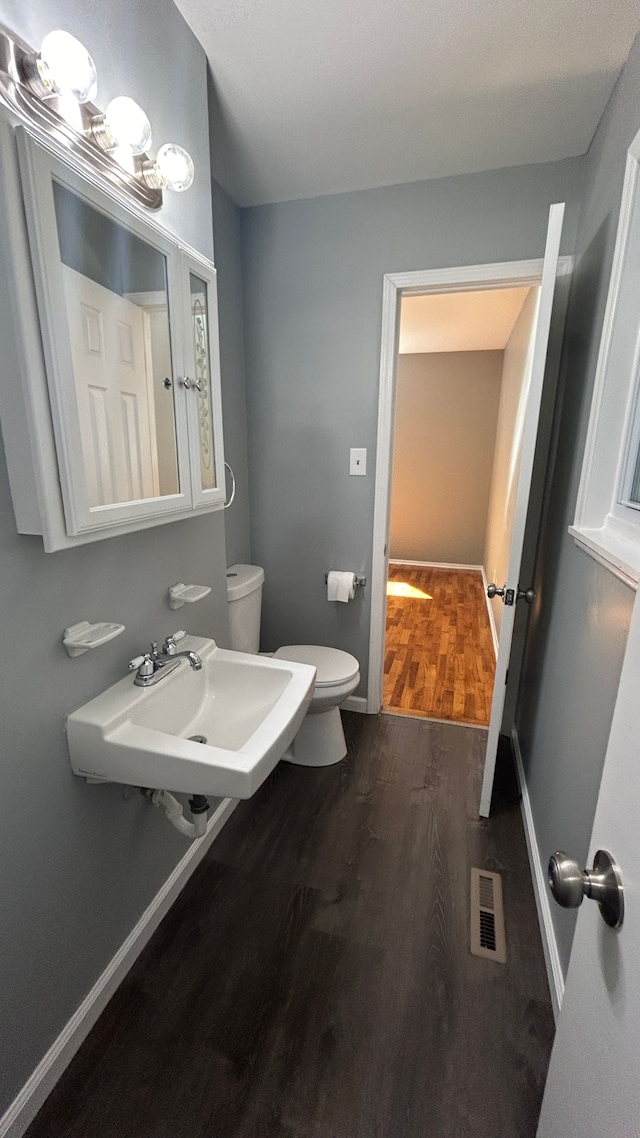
(79, 638)
(180, 594)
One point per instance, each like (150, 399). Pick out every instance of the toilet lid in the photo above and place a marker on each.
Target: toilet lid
(243, 579)
(332, 665)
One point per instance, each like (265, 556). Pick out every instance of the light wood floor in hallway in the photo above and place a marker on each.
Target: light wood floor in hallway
(439, 656)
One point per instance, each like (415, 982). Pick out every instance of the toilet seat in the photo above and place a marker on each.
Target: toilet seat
(320, 742)
(333, 666)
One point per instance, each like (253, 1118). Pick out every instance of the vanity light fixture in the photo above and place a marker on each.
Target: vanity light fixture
(123, 124)
(54, 89)
(63, 66)
(173, 169)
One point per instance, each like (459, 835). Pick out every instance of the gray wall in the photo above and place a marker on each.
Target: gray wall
(446, 414)
(80, 863)
(313, 296)
(579, 625)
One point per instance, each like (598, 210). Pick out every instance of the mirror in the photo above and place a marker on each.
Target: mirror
(200, 327)
(116, 302)
(121, 360)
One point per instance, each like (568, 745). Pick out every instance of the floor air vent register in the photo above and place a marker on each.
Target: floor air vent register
(487, 916)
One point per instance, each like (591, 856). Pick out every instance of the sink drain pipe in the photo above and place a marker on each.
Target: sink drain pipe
(173, 809)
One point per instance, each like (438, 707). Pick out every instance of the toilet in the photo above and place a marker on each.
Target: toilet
(320, 742)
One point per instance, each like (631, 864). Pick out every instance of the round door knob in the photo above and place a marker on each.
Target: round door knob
(494, 591)
(186, 382)
(199, 385)
(566, 879)
(569, 884)
(527, 595)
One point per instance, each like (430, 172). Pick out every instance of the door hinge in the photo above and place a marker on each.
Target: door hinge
(509, 596)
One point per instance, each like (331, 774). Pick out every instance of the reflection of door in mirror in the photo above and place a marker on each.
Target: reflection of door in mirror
(158, 353)
(199, 314)
(117, 312)
(114, 388)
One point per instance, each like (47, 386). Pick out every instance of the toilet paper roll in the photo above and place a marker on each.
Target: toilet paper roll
(340, 586)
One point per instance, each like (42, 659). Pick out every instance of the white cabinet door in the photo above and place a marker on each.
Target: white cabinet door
(94, 263)
(132, 428)
(204, 405)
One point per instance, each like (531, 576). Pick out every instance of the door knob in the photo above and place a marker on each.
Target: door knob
(494, 591)
(569, 884)
(527, 595)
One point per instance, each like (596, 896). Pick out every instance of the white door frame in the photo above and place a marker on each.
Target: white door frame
(467, 278)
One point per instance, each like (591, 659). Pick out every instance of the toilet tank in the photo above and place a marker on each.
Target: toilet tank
(244, 595)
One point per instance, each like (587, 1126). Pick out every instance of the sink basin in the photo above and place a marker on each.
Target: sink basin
(247, 709)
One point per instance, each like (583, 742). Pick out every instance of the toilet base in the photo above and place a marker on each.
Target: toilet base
(320, 742)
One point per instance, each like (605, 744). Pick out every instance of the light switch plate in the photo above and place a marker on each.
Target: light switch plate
(358, 460)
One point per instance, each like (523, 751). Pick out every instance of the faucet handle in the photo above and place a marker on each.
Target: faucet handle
(169, 646)
(143, 665)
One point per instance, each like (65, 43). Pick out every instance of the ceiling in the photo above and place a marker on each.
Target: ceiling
(460, 321)
(325, 96)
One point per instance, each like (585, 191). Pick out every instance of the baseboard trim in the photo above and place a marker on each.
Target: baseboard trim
(492, 623)
(555, 974)
(27, 1103)
(353, 703)
(431, 564)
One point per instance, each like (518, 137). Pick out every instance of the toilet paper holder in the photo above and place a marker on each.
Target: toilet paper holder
(359, 581)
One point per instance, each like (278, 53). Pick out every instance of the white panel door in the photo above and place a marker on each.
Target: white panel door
(593, 1086)
(533, 387)
(114, 389)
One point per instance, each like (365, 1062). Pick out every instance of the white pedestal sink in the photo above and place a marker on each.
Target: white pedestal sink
(246, 708)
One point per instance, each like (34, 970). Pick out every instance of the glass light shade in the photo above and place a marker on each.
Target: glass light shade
(125, 125)
(64, 67)
(175, 167)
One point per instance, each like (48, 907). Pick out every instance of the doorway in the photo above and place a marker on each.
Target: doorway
(541, 373)
(461, 368)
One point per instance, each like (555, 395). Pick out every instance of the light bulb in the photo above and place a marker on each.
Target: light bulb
(172, 168)
(63, 67)
(124, 124)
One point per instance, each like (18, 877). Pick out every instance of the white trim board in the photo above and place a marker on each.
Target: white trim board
(39, 1085)
(602, 526)
(432, 564)
(555, 975)
(394, 286)
(492, 620)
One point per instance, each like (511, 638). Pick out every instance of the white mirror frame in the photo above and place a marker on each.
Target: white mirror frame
(37, 419)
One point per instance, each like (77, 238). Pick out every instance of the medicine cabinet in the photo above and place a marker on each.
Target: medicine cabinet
(130, 408)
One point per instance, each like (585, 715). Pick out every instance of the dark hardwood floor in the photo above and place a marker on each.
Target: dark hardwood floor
(314, 979)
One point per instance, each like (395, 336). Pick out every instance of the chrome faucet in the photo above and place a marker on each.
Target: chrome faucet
(154, 665)
(170, 652)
